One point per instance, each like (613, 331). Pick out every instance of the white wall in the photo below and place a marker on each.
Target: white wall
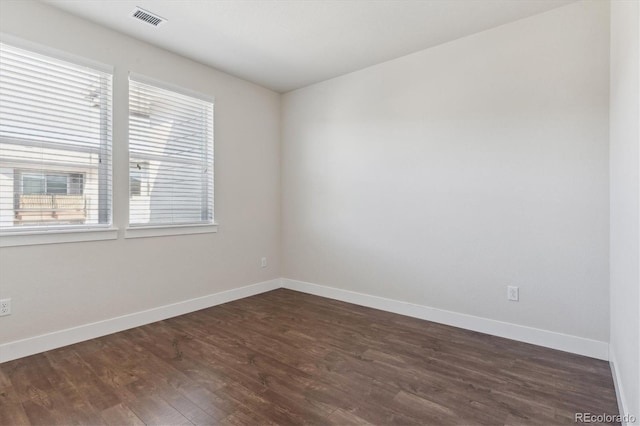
(57, 286)
(442, 177)
(625, 201)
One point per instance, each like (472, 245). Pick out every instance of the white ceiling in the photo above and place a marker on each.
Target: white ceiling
(285, 45)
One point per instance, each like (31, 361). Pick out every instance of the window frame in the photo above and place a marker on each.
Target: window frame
(160, 229)
(52, 234)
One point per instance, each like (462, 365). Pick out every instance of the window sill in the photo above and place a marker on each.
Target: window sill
(56, 236)
(165, 231)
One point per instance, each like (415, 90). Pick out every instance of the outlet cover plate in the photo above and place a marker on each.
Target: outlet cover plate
(5, 307)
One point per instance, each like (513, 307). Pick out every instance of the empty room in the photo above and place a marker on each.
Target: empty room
(321, 212)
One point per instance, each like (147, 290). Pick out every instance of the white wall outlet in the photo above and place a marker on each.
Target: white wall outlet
(263, 262)
(513, 293)
(5, 307)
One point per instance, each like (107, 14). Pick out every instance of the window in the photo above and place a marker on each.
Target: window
(55, 143)
(34, 182)
(139, 181)
(171, 157)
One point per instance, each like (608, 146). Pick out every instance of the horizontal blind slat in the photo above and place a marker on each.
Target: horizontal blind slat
(36, 78)
(45, 60)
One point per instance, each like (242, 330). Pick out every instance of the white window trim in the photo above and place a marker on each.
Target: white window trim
(170, 230)
(156, 230)
(80, 233)
(56, 236)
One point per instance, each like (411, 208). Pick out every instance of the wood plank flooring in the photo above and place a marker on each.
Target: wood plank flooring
(285, 357)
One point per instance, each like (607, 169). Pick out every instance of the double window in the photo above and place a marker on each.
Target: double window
(56, 148)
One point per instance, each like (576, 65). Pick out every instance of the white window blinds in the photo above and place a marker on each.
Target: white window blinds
(55, 143)
(170, 157)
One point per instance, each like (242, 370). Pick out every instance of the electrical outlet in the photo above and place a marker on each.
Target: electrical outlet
(513, 293)
(263, 262)
(5, 307)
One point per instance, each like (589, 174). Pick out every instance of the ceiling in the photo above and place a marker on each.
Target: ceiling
(285, 45)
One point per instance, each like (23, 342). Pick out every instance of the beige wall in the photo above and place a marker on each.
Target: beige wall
(57, 286)
(442, 177)
(625, 201)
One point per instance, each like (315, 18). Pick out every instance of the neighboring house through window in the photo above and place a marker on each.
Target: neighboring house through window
(49, 197)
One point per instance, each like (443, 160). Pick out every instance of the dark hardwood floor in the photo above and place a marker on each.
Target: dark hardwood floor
(285, 357)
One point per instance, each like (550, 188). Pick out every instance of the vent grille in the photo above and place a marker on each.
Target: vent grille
(148, 17)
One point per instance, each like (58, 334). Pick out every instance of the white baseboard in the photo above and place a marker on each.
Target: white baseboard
(33, 345)
(549, 339)
(617, 383)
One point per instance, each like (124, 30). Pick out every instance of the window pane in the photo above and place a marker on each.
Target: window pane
(56, 184)
(76, 184)
(171, 137)
(33, 184)
(55, 139)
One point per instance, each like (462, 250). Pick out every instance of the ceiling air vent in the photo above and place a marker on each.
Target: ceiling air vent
(148, 17)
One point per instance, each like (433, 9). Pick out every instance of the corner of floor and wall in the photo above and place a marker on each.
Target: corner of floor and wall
(424, 186)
